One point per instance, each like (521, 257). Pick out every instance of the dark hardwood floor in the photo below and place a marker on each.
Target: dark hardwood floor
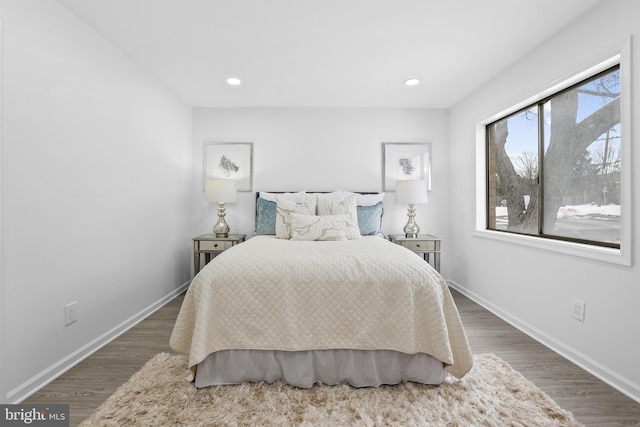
(591, 401)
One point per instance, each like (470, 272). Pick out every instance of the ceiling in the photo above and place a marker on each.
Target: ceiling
(326, 53)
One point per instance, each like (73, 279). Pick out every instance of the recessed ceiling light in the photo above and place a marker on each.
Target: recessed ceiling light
(412, 81)
(234, 81)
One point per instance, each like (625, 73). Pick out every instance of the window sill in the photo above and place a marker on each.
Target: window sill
(608, 255)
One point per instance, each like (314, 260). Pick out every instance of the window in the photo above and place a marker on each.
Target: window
(554, 167)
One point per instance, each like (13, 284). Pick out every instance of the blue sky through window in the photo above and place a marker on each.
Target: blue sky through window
(523, 126)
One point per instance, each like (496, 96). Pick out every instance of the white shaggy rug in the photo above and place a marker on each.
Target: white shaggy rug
(491, 394)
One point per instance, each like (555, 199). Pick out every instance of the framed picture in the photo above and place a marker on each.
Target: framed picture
(232, 160)
(402, 161)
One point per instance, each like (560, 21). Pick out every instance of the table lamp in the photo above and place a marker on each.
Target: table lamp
(221, 191)
(411, 192)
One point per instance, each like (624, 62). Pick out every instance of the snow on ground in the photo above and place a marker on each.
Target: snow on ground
(588, 210)
(577, 211)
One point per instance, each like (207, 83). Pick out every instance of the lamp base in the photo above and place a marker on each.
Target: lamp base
(221, 229)
(411, 230)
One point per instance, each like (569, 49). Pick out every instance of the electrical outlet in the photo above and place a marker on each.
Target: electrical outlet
(578, 310)
(70, 313)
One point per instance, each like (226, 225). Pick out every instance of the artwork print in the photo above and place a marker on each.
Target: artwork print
(228, 167)
(405, 161)
(229, 161)
(406, 164)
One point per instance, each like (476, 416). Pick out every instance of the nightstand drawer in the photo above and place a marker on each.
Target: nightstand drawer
(215, 246)
(421, 245)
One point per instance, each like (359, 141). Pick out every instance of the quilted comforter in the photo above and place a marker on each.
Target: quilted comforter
(366, 294)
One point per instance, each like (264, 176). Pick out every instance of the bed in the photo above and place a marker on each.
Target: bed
(321, 306)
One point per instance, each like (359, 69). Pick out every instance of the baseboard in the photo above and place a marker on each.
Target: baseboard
(598, 370)
(49, 374)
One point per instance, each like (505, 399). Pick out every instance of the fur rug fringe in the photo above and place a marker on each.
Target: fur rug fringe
(491, 394)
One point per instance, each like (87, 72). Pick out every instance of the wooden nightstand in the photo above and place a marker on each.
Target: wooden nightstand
(425, 245)
(208, 244)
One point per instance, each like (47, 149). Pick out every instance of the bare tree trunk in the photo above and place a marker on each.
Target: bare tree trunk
(520, 216)
(568, 140)
(567, 143)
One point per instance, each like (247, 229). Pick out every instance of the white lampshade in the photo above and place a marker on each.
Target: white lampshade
(411, 191)
(220, 190)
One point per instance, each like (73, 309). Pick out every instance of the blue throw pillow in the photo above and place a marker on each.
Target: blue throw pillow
(370, 219)
(266, 220)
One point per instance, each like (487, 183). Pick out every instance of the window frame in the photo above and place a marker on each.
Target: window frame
(616, 255)
(539, 106)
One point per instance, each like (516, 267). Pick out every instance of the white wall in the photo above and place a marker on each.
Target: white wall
(96, 172)
(322, 149)
(533, 288)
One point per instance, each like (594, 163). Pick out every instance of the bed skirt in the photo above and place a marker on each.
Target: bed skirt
(358, 368)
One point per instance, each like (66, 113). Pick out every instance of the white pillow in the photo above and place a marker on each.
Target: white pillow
(294, 197)
(284, 209)
(323, 227)
(334, 196)
(364, 199)
(346, 206)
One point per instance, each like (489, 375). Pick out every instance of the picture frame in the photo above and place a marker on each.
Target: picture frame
(232, 160)
(405, 160)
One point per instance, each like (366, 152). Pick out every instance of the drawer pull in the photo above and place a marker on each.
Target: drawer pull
(417, 245)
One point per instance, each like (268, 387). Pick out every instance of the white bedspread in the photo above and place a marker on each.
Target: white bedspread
(365, 294)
